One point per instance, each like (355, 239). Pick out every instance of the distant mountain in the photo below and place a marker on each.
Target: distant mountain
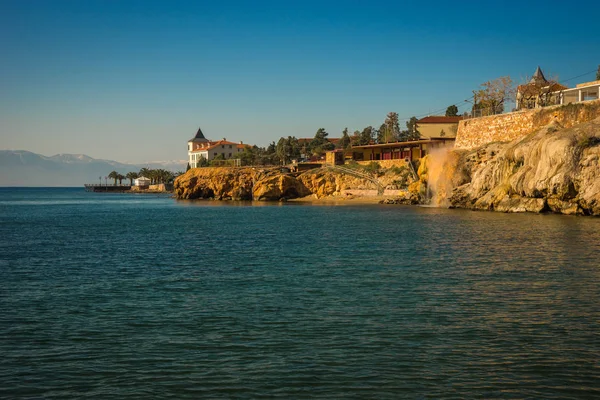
(24, 168)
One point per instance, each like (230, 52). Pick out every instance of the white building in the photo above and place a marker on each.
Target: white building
(539, 92)
(582, 92)
(141, 181)
(199, 147)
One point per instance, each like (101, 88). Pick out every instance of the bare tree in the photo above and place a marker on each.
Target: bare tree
(490, 98)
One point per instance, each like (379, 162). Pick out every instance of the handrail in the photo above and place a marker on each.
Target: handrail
(412, 169)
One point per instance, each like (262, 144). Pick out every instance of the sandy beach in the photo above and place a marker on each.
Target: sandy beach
(341, 200)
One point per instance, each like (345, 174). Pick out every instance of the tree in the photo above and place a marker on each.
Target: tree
(248, 156)
(321, 140)
(145, 172)
(392, 128)
(411, 132)
(490, 98)
(380, 133)
(269, 155)
(188, 167)
(217, 157)
(320, 143)
(355, 138)
(452, 111)
(151, 174)
(114, 175)
(366, 136)
(202, 162)
(345, 141)
(288, 149)
(131, 176)
(166, 176)
(120, 178)
(598, 74)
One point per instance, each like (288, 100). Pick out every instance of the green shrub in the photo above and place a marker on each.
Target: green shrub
(372, 167)
(397, 170)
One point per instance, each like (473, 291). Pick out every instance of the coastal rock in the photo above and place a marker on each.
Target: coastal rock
(321, 183)
(278, 187)
(270, 184)
(238, 184)
(216, 183)
(407, 198)
(553, 169)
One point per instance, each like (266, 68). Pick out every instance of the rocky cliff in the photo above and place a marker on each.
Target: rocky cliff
(553, 169)
(272, 185)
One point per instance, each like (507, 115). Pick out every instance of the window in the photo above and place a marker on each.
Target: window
(222, 146)
(230, 155)
(230, 146)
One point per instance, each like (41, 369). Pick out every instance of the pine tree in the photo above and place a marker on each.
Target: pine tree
(452, 111)
(345, 141)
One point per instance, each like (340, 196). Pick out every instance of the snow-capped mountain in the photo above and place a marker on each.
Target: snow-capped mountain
(24, 168)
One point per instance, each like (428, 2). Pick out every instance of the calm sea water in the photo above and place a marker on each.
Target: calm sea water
(142, 296)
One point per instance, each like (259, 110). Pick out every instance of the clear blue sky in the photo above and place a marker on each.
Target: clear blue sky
(133, 80)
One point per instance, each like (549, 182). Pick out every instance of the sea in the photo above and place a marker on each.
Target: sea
(130, 296)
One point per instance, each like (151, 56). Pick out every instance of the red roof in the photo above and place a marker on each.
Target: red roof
(438, 119)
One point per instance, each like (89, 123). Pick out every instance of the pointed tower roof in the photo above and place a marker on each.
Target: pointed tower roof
(199, 137)
(538, 76)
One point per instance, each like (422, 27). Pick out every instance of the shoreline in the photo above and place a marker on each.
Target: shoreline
(341, 200)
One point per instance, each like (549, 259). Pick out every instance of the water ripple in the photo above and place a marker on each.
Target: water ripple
(165, 300)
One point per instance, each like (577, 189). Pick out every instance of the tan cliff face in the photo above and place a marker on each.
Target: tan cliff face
(217, 183)
(554, 169)
(270, 184)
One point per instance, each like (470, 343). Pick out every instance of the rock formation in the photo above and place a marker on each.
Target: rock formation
(553, 169)
(270, 184)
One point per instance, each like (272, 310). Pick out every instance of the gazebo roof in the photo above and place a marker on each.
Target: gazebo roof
(538, 76)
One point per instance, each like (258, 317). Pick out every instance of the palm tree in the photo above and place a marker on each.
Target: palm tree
(144, 172)
(120, 178)
(131, 176)
(152, 174)
(163, 176)
(114, 175)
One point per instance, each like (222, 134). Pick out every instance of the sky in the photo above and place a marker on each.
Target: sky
(133, 80)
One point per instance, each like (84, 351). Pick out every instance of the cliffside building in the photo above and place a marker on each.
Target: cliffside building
(436, 127)
(538, 92)
(411, 150)
(199, 147)
(582, 92)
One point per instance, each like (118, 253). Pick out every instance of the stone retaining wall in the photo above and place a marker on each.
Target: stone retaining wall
(385, 163)
(507, 127)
